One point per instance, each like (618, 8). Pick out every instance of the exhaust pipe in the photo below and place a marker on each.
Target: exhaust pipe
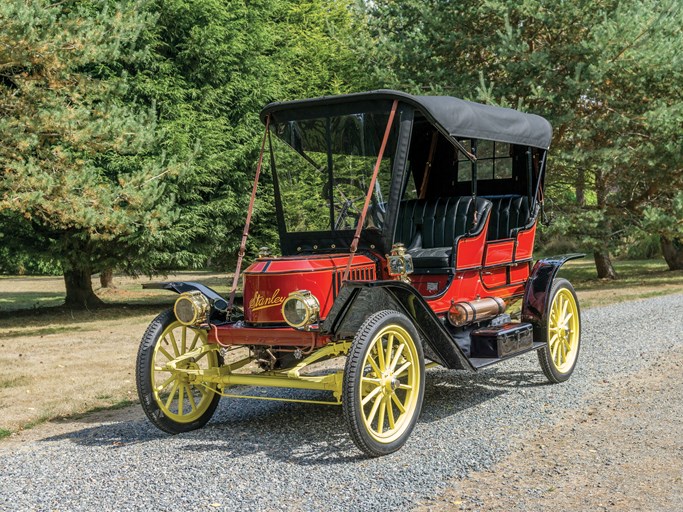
(465, 313)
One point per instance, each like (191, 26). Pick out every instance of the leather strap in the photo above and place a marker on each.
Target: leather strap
(363, 213)
(245, 233)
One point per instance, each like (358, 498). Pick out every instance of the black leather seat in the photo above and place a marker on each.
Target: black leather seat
(507, 214)
(429, 227)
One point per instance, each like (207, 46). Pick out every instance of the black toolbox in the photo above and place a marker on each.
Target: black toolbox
(502, 340)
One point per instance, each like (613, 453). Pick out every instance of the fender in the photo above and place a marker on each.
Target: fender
(535, 303)
(357, 300)
(218, 302)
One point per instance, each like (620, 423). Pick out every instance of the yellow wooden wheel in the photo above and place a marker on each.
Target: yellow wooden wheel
(562, 334)
(173, 400)
(383, 383)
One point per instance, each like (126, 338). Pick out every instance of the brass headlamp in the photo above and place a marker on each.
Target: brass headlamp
(192, 308)
(301, 309)
(400, 263)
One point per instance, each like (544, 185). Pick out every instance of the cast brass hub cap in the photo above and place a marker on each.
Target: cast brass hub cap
(390, 384)
(563, 330)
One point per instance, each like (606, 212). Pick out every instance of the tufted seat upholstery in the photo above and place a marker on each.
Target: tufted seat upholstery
(507, 214)
(429, 227)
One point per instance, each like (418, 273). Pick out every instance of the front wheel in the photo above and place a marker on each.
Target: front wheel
(383, 383)
(561, 334)
(171, 399)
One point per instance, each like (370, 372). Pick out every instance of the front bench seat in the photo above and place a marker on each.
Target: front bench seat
(430, 227)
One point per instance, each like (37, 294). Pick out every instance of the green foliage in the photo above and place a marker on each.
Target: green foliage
(607, 75)
(81, 167)
(215, 64)
(130, 129)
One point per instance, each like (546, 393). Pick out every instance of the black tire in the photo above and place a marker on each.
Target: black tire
(155, 409)
(553, 368)
(395, 385)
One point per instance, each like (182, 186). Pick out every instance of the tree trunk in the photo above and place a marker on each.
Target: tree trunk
(581, 187)
(107, 278)
(603, 264)
(79, 292)
(673, 252)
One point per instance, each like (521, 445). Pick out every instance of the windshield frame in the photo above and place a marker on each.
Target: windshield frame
(374, 240)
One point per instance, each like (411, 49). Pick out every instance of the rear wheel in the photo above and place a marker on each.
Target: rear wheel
(171, 399)
(383, 383)
(561, 334)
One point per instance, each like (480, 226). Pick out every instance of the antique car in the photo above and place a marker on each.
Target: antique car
(406, 228)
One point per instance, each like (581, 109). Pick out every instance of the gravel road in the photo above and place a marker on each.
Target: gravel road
(258, 455)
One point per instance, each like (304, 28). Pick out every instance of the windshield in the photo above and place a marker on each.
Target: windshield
(324, 167)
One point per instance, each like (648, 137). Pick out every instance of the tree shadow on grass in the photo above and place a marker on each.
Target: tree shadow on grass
(299, 433)
(63, 315)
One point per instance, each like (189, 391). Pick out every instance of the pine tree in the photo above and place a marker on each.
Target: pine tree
(82, 174)
(607, 75)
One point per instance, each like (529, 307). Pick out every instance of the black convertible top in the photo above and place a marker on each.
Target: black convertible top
(453, 116)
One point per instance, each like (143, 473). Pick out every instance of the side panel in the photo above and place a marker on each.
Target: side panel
(534, 306)
(356, 301)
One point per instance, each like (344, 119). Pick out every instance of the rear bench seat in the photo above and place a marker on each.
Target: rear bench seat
(508, 213)
(429, 227)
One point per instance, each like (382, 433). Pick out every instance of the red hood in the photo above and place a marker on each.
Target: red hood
(269, 281)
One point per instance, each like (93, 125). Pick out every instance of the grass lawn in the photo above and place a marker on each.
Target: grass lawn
(59, 363)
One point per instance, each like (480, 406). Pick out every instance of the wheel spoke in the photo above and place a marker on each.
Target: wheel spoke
(372, 394)
(398, 403)
(566, 319)
(165, 352)
(553, 341)
(382, 413)
(180, 400)
(565, 305)
(555, 353)
(174, 343)
(373, 411)
(380, 355)
(194, 341)
(402, 369)
(390, 344)
(183, 341)
(190, 398)
(374, 366)
(161, 386)
(171, 395)
(397, 356)
(404, 386)
(390, 414)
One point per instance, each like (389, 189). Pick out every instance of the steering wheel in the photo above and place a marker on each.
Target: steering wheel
(350, 205)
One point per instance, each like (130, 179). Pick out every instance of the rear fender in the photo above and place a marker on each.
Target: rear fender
(537, 291)
(357, 300)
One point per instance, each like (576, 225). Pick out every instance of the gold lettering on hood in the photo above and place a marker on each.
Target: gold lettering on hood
(260, 301)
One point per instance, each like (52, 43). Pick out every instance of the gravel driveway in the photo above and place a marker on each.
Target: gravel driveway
(257, 455)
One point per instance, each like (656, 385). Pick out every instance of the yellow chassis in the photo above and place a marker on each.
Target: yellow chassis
(225, 376)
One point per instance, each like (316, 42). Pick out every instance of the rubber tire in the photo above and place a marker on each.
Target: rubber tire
(143, 377)
(544, 355)
(353, 371)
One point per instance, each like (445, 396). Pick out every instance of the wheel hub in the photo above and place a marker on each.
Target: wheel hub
(389, 383)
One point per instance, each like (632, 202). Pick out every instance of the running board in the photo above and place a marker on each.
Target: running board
(483, 362)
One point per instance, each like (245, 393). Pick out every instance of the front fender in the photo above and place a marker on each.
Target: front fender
(357, 300)
(535, 303)
(218, 302)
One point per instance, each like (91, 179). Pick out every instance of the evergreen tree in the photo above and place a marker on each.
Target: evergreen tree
(82, 170)
(214, 65)
(605, 74)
